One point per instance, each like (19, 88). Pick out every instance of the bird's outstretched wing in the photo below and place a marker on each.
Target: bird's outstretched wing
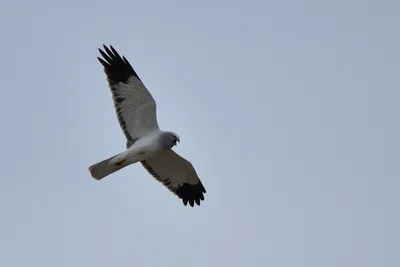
(134, 105)
(178, 175)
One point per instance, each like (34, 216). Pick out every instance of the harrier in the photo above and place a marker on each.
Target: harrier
(145, 142)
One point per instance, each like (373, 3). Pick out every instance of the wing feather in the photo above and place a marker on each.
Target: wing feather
(178, 175)
(134, 105)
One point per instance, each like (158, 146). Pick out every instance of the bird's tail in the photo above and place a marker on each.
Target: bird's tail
(106, 167)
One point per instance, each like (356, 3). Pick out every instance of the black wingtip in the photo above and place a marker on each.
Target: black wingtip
(191, 193)
(116, 68)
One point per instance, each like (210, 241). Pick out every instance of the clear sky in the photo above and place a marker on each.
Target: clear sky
(289, 111)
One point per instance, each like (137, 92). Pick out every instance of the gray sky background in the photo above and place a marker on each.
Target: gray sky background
(289, 110)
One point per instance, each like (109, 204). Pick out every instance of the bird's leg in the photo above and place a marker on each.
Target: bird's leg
(120, 161)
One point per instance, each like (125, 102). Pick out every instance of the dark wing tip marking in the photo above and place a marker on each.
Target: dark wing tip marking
(188, 193)
(116, 68)
(191, 193)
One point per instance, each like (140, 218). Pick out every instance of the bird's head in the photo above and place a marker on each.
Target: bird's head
(175, 139)
(170, 139)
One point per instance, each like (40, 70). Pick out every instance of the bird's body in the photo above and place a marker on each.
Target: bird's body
(143, 149)
(146, 143)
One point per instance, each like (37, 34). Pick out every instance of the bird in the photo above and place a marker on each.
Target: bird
(146, 143)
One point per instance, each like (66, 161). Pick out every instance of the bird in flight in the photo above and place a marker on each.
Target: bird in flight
(145, 142)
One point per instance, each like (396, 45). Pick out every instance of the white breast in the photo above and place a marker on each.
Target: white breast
(143, 148)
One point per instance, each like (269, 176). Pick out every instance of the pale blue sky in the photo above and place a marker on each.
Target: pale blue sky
(289, 110)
